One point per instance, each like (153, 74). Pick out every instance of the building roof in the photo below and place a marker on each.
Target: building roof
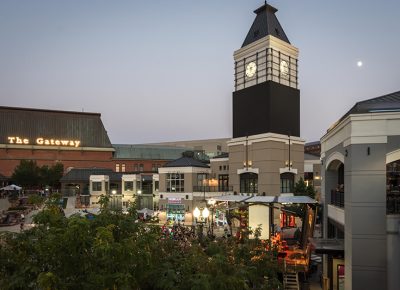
(147, 152)
(308, 156)
(186, 162)
(265, 24)
(83, 174)
(383, 104)
(222, 155)
(64, 125)
(386, 103)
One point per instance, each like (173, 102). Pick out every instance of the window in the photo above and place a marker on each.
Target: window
(135, 167)
(96, 186)
(123, 168)
(249, 183)
(141, 167)
(117, 167)
(175, 182)
(224, 167)
(223, 182)
(156, 185)
(128, 186)
(220, 168)
(153, 167)
(287, 182)
(202, 179)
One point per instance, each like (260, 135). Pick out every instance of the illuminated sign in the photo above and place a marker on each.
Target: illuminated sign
(44, 141)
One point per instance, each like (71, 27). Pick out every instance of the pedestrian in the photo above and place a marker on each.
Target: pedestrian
(21, 227)
(22, 217)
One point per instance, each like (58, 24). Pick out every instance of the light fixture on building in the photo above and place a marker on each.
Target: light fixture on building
(287, 164)
(113, 191)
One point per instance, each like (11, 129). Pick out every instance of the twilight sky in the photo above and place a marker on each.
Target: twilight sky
(163, 70)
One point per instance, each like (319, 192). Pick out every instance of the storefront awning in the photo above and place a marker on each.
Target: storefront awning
(267, 199)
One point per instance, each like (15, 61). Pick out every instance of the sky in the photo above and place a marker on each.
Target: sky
(164, 70)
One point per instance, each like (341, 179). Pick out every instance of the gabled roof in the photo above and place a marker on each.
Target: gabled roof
(83, 174)
(265, 24)
(186, 162)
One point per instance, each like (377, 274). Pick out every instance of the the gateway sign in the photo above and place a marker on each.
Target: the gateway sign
(45, 141)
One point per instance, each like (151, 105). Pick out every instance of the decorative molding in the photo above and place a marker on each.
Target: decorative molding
(263, 43)
(393, 156)
(332, 157)
(287, 170)
(219, 159)
(362, 129)
(265, 138)
(248, 170)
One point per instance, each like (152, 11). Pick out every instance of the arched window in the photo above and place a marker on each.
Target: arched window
(287, 182)
(249, 183)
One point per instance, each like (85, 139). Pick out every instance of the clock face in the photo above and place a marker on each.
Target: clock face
(284, 68)
(251, 69)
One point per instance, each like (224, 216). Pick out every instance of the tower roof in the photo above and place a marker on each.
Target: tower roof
(265, 24)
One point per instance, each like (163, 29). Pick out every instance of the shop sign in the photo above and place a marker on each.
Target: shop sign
(173, 200)
(44, 141)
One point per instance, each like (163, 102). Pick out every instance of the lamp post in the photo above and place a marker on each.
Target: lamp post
(212, 202)
(201, 217)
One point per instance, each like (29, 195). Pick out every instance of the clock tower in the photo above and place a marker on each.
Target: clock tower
(266, 97)
(266, 153)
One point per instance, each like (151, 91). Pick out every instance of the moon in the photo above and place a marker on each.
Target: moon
(359, 63)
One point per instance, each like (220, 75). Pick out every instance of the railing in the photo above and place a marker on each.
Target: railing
(212, 188)
(393, 203)
(337, 198)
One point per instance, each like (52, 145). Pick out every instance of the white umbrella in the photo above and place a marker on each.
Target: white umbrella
(146, 211)
(11, 187)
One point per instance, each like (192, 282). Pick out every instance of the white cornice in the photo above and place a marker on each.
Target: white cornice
(262, 43)
(219, 159)
(59, 148)
(183, 170)
(369, 128)
(266, 137)
(287, 170)
(246, 170)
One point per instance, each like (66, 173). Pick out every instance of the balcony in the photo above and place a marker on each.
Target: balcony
(337, 198)
(212, 188)
(393, 203)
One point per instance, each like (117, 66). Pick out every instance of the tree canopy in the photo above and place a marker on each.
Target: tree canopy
(29, 174)
(114, 251)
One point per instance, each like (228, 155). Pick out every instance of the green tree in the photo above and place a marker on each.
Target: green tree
(301, 188)
(112, 251)
(26, 173)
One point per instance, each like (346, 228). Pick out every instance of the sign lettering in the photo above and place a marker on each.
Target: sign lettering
(44, 141)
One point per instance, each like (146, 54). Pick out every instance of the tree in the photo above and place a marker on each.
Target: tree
(112, 251)
(26, 173)
(301, 188)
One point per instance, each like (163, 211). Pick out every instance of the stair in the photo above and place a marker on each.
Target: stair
(291, 281)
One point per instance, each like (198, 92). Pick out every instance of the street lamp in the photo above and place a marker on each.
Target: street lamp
(212, 202)
(201, 217)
